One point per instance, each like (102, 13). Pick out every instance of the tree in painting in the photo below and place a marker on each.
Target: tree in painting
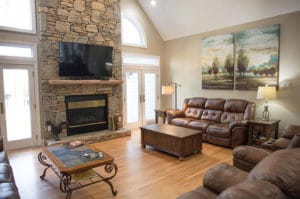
(217, 62)
(257, 57)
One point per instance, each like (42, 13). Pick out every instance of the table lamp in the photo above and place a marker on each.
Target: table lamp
(170, 89)
(266, 93)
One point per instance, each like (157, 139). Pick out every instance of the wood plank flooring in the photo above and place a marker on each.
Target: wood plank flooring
(143, 173)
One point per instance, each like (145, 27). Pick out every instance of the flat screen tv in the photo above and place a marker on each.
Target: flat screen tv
(92, 61)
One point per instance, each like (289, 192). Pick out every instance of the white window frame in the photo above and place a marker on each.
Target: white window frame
(19, 44)
(155, 60)
(33, 31)
(139, 29)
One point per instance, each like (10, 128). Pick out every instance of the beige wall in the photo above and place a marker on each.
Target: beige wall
(182, 64)
(132, 9)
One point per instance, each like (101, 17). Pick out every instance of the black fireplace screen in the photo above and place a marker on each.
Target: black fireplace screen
(86, 113)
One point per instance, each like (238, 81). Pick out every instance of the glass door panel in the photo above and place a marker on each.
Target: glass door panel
(150, 95)
(16, 104)
(132, 97)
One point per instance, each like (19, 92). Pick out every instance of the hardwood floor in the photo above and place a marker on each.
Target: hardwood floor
(142, 173)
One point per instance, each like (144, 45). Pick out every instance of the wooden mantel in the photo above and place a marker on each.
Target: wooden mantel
(83, 82)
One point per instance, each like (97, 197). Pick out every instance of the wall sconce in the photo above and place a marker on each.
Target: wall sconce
(266, 93)
(170, 89)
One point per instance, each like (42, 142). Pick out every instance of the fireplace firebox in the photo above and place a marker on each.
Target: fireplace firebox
(86, 113)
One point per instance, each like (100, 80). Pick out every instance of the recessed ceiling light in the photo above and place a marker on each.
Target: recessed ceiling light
(153, 2)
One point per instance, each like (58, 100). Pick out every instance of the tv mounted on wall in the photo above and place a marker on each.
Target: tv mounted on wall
(93, 61)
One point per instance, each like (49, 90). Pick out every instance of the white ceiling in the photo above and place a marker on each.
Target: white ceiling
(179, 18)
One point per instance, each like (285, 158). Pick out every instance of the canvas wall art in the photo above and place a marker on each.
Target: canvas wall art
(257, 54)
(217, 62)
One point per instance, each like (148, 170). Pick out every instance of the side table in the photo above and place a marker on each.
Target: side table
(261, 130)
(160, 113)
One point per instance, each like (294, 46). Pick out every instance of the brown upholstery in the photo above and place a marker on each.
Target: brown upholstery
(223, 122)
(277, 176)
(246, 157)
(8, 189)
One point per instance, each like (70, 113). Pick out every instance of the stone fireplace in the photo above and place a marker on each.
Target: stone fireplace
(86, 113)
(78, 21)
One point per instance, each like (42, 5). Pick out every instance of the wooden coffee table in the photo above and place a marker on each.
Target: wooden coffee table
(176, 140)
(74, 170)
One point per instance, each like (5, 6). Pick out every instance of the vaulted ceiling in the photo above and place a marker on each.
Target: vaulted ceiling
(179, 18)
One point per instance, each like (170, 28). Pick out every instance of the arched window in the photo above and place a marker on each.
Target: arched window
(132, 33)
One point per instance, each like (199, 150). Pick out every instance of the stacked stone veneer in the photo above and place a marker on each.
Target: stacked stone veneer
(80, 21)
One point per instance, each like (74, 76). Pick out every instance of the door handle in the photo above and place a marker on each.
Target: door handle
(143, 97)
(2, 108)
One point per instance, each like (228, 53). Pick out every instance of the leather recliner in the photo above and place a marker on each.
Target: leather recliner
(277, 176)
(8, 188)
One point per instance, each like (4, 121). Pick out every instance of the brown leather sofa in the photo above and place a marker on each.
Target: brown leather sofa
(222, 121)
(277, 176)
(246, 157)
(8, 188)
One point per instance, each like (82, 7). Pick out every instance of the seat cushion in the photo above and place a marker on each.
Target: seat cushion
(218, 130)
(281, 168)
(200, 192)
(251, 190)
(250, 154)
(6, 173)
(181, 121)
(281, 143)
(199, 124)
(8, 191)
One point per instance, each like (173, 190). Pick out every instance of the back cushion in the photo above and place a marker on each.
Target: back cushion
(215, 104)
(295, 142)
(196, 102)
(193, 112)
(211, 115)
(290, 130)
(235, 105)
(228, 117)
(281, 168)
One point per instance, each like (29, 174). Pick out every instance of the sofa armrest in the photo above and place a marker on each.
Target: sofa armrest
(1, 144)
(238, 123)
(222, 176)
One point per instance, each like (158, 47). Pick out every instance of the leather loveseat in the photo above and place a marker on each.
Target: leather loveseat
(246, 157)
(222, 121)
(8, 188)
(277, 176)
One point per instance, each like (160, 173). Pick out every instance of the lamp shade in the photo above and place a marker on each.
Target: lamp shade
(167, 90)
(266, 92)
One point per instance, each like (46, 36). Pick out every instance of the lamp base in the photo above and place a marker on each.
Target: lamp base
(266, 113)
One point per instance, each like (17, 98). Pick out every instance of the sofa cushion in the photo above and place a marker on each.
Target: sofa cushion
(211, 115)
(235, 105)
(290, 130)
(193, 112)
(181, 121)
(6, 173)
(250, 154)
(8, 191)
(200, 192)
(281, 143)
(218, 130)
(227, 177)
(251, 190)
(228, 117)
(279, 170)
(295, 142)
(200, 124)
(196, 102)
(215, 104)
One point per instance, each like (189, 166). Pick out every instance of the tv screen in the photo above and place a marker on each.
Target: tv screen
(85, 60)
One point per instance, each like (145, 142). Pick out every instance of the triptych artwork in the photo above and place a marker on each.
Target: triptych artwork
(242, 60)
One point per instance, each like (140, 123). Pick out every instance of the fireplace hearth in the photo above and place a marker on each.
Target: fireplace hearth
(86, 113)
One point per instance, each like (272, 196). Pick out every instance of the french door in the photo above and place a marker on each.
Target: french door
(17, 106)
(141, 96)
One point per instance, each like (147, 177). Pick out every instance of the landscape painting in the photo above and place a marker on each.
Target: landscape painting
(217, 62)
(257, 54)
